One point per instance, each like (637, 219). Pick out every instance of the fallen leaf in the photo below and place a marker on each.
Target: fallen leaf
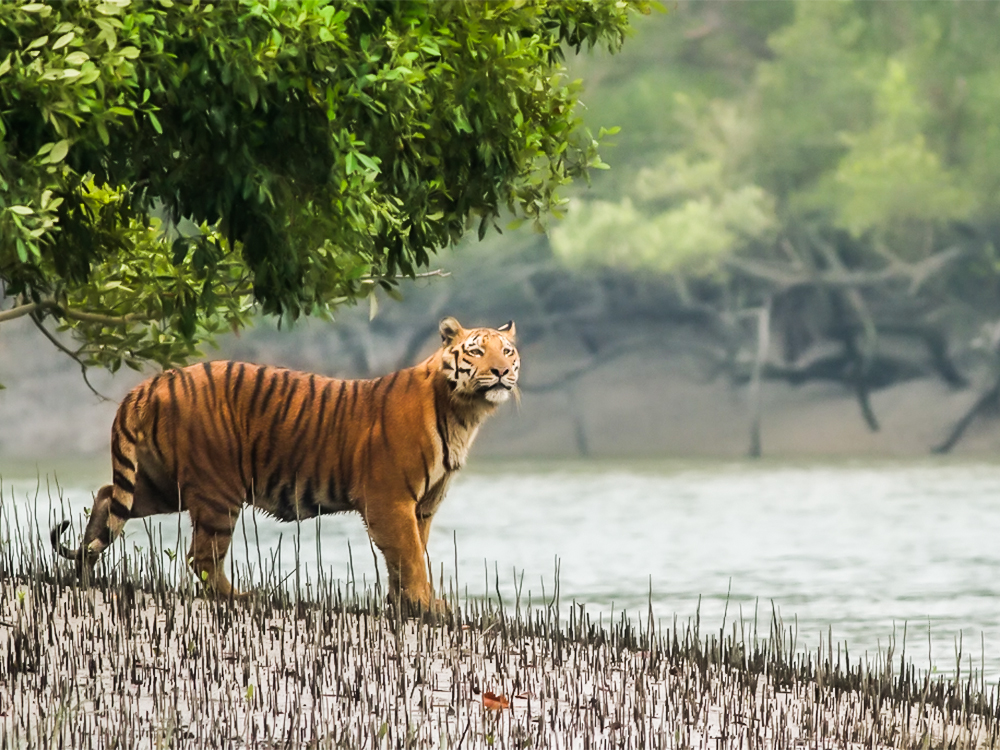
(494, 702)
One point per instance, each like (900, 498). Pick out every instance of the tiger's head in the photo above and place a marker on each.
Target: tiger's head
(480, 363)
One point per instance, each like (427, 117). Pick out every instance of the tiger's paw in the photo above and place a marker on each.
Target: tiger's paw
(437, 611)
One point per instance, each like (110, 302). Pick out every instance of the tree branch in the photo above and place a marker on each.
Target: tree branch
(32, 308)
(19, 311)
(983, 403)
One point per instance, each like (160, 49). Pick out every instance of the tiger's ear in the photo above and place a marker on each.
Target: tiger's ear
(509, 328)
(450, 329)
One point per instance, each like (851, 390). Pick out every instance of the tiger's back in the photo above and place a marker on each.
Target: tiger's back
(290, 443)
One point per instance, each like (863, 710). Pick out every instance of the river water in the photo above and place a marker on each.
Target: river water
(856, 550)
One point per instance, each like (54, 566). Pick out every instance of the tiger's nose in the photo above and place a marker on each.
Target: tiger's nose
(496, 371)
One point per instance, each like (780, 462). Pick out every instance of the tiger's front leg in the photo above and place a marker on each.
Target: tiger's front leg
(394, 530)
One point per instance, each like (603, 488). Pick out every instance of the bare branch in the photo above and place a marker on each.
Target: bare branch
(71, 354)
(915, 273)
(426, 274)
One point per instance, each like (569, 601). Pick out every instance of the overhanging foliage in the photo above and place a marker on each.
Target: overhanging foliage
(299, 152)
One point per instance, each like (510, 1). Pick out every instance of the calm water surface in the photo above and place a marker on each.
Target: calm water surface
(856, 549)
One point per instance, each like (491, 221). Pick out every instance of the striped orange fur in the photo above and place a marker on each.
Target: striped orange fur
(211, 438)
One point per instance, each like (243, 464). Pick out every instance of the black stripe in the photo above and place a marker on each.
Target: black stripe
(381, 425)
(427, 473)
(334, 427)
(308, 498)
(119, 509)
(272, 484)
(189, 377)
(442, 433)
(391, 384)
(210, 385)
(172, 388)
(270, 392)
(321, 414)
(122, 415)
(105, 536)
(258, 383)
(314, 444)
(412, 492)
(341, 392)
(121, 458)
(235, 390)
(306, 403)
(154, 431)
(288, 401)
(184, 383)
(172, 439)
(120, 480)
(229, 376)
(285, 507)
(336, 407)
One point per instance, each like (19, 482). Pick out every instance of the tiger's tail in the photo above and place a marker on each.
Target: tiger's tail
(61, 549)
(117, 497)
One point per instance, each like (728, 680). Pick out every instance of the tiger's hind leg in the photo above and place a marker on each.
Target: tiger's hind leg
(211, 533)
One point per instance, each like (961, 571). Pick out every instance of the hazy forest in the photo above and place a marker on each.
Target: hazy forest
(792, 252)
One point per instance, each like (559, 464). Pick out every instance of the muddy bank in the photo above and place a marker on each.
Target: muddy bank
(132, 663)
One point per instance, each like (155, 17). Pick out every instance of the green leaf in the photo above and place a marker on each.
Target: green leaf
(35, 8)
(5, 65)
(155, 122)
(64, 40)
(59, 151)
(22, 210)
(129, 53)
(367, 161)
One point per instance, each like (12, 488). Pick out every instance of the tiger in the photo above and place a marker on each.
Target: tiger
(214, 437)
